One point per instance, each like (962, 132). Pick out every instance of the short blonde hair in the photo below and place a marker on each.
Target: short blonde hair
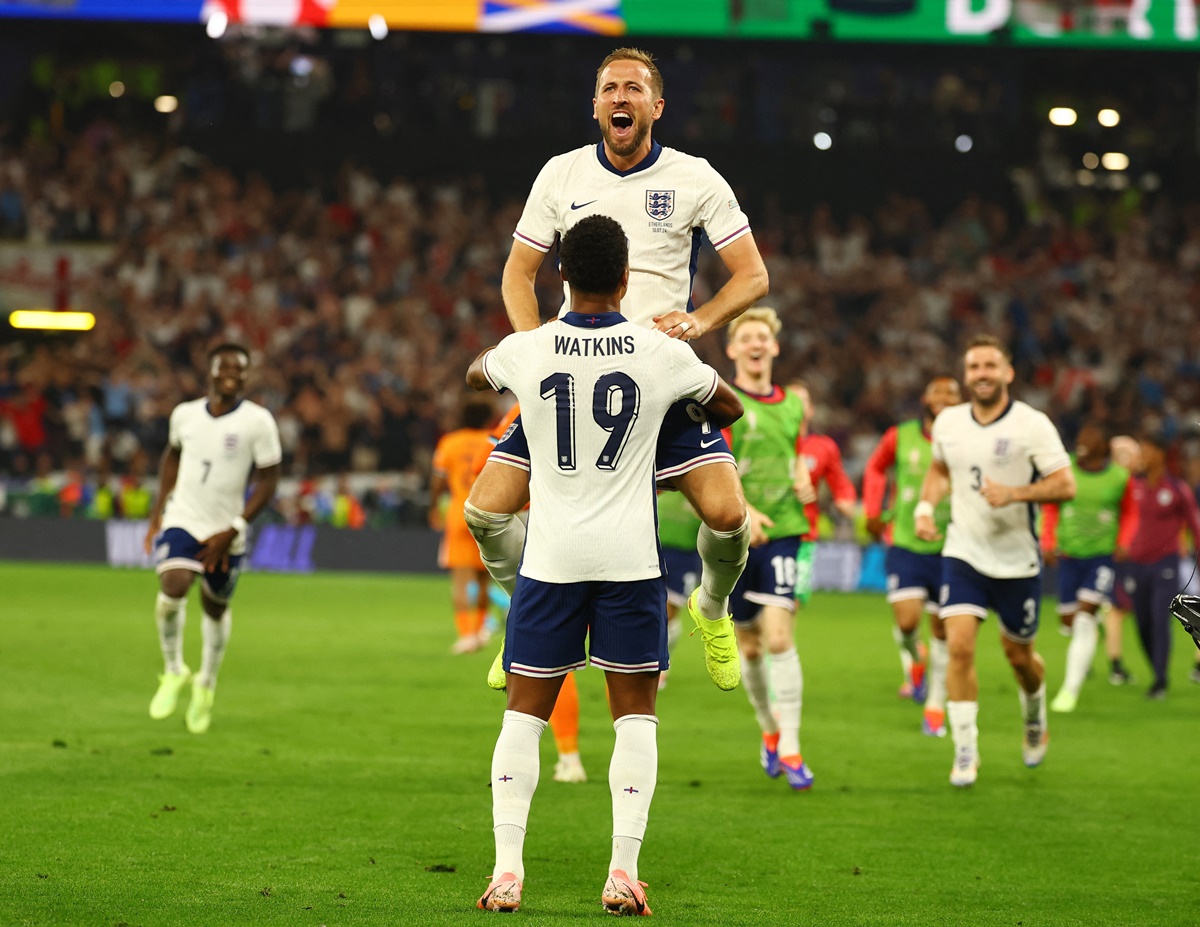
(764, 314)
(989, 341)
(641, 57)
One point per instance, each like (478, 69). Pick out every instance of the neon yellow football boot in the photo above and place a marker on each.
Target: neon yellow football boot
(496, 679)
(199, 713)
(167, 697)
(720, 647)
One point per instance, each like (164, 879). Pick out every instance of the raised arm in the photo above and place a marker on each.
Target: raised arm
(517, 289)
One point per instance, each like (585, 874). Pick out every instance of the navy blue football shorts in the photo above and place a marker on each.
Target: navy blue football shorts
(554, 628)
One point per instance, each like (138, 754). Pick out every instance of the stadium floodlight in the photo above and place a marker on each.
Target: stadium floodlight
(1091, 160)
(1115, 161)
(378, 27)
(216, 25)
(48, 320)
(1085, 178)
(964, 143)
(1108, 118)
(116, 89)
(1063, 116)
(166, 104)
(823, 140)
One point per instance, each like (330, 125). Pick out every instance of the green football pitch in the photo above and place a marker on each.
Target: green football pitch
(345, 778)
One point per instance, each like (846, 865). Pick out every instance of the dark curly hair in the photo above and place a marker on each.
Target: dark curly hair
(594, 255)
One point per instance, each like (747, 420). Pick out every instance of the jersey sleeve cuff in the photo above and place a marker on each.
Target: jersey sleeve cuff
(271, 462)
(488, 373)
(719, 243)
(531, 241)
(712, 389)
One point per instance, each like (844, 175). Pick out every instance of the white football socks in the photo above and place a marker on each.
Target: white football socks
(787, 682)
(758, 690)
(214, 633)
(723, 554)
(170, 615)
(964, 729)
(1084, 635)
(1033, 706)
(501, 540)
(939, 659)
(632, 774)
(515, 767)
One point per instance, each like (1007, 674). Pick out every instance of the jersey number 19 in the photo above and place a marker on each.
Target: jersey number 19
(615, 403)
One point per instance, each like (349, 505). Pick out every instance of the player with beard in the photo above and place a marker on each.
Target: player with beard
(997, 458)
(217, 446)
(914, 566)
(667, 202)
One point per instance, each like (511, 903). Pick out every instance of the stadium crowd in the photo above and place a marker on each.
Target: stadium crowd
(364, 299)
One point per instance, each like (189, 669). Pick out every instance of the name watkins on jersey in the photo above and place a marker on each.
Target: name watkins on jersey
(593, 347)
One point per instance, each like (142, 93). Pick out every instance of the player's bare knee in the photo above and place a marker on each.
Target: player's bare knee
(961, 648)
(176, 583)
(1020, 656)
(908, 614)
(749, 642)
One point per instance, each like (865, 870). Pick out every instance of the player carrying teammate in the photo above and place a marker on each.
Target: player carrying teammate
(593, 389)
(997, 458)
(667, 202)
(914, 566)
(1085, 537)
(766, 442)
(199, 521)
(453, 472)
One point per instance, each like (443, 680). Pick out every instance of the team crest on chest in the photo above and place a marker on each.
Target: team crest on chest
(1001, 448)
(231, 443)
(660, 203)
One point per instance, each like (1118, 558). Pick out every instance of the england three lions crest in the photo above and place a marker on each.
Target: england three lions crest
(660, 203)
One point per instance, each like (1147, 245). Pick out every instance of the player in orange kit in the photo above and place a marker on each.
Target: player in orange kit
(454, 468)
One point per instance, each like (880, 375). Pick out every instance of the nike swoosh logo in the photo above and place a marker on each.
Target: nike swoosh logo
(581, 205)
(710, 443)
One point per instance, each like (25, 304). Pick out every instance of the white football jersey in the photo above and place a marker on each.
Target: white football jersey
(593, 392)
(217, 456)
(1020, 447)
(663, 203)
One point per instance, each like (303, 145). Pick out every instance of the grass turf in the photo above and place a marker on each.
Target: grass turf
(344, 781)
